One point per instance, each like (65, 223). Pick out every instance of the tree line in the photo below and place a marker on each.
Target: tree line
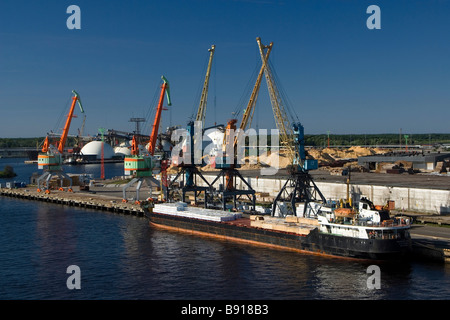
(321, 140)
(318, 140)
(28, 142)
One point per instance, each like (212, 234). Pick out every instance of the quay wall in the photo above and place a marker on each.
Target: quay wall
(429, 201)
(76, 200)
(408, 199)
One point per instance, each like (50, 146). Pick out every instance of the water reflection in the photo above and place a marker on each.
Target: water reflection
(122, 257)
(348, 280)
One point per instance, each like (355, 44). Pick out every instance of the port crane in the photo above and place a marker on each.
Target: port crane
(228, 162)
(50, 159)
(142, 166)
(299, 187)
(190, 170)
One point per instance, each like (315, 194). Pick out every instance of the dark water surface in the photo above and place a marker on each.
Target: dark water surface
(122, 257)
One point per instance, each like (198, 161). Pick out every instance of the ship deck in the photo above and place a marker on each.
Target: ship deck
(241, 222)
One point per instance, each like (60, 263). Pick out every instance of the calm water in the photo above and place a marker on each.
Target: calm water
(121, 257)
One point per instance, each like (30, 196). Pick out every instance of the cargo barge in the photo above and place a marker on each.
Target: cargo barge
(368, 234)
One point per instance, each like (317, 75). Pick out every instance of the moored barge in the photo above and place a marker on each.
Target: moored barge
(367, 234)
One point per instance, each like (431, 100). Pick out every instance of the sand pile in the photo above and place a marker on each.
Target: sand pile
(329, 155)
(326, 157)
(252, 162)
(273, 159)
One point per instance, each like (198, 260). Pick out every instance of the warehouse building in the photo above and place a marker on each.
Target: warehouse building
(418, 160)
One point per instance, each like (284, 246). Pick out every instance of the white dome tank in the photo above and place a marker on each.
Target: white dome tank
(94, 148)
(122, 151)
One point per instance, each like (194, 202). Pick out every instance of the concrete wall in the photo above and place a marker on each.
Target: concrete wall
(430, 201)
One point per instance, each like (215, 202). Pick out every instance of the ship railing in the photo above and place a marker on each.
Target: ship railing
(385, 223)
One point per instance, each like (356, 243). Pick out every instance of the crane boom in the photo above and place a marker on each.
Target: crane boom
(282, 121)
(154, 134)
(62, 141)
(250, 110)
(201, 112)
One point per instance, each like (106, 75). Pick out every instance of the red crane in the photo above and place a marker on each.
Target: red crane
(156, 121)
(50, 159)
(141, 166)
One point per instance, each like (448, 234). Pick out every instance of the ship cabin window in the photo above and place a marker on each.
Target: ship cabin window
(364, 205)
(348, 220)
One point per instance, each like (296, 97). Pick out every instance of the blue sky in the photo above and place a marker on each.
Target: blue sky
(339, 75)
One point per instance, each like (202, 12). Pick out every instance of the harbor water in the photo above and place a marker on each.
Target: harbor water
(122, 257)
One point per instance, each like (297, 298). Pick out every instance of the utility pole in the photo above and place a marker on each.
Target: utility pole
(102, 170)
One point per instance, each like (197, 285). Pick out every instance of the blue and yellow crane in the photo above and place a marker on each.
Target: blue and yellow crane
(189, 170)
(299, 187)
(228, 162)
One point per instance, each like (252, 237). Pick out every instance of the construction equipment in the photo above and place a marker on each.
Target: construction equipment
(51, 157)
(299, 187)
(190, 170)
(142, 167)
(228, 162)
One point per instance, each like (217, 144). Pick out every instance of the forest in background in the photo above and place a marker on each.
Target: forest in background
(28, 142)
(320, 140)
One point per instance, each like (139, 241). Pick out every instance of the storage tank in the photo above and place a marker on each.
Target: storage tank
(93, 150)
(122, 151)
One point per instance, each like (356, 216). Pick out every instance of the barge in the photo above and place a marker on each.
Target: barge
(368, 233)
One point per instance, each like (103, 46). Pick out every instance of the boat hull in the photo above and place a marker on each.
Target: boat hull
(314, 243)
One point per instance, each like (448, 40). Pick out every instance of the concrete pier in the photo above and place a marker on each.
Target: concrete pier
(76, 199)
